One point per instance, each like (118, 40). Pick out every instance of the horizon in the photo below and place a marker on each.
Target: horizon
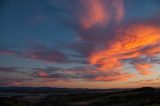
(79, 88)
(92, 44)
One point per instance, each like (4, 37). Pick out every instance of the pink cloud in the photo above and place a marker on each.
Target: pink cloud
(8, 52)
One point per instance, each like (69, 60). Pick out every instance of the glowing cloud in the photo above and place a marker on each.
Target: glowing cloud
(129, 43)
(100, 12)
(95, 13)
(144, 68)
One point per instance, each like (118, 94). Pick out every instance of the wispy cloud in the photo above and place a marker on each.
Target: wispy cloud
(8, 52)
(100, 12)
(41, 52)
(144, 68)
(153, 81)
(7, 69)
(120, 77)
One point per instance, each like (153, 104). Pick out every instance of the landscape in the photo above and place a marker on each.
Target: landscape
(79, 52)
(43, 96)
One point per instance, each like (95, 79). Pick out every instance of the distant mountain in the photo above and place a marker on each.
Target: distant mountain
(145, 89)
(52, 90)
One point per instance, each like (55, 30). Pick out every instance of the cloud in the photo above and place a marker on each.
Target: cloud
(8, 69)
(153, 81)
(13, 82)
(82, 48)
(70, 74)
(42, 74)
(10, 83)
(41, 52)
(144, 68)
(15, 76)
(118, 7)
(8, 52)
(128, 43)
(109, 48)
(100, 12)
(105, 43)
(121, 77)
(151, 50)
(94, 13)
(63, 74)
(82, 73)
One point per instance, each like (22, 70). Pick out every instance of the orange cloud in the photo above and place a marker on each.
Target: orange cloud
(121, 77)
(101, 12)
(128, 44)
(135, 38)
(132, 42)
(94, 13)
(152, 50)
(144, 68)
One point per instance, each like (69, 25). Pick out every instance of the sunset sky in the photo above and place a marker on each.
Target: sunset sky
(80, 43)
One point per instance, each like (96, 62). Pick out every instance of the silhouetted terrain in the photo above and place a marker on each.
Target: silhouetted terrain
(12, 96)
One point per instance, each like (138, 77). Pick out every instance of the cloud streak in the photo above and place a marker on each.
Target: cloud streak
(8, 52)
(144, 68)
(120, 77)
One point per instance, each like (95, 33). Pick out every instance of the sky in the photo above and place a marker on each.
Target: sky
(80, 43)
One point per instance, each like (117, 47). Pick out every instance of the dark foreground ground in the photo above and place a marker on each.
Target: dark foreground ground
(71, 97)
